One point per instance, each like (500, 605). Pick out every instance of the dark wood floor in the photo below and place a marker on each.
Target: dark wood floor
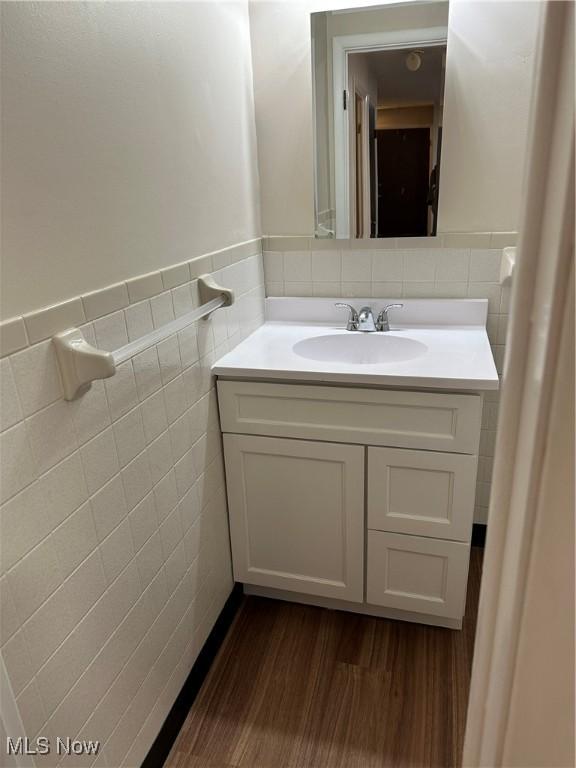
(302, 687)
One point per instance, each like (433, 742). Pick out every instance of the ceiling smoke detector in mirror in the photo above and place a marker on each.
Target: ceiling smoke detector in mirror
(378, 101)
(414, 60)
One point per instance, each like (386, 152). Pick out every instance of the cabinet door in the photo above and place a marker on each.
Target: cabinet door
(417, 574)
(296, 514)
(421, 492)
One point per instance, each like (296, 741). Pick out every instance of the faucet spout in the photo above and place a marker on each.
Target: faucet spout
(366, 320)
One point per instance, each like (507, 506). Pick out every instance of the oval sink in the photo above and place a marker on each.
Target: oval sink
(359, 348)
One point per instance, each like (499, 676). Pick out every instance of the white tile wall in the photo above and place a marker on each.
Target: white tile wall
(115, 557)
(416, 272)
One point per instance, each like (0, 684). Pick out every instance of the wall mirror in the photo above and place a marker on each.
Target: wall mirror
(378, 87)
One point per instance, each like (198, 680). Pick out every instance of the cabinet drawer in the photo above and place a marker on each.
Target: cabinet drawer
(428, 420)
(412, 573)
(421, 492)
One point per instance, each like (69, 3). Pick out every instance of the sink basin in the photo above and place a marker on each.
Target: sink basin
(360, 348)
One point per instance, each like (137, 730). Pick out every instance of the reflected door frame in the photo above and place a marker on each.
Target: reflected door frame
(342, 47)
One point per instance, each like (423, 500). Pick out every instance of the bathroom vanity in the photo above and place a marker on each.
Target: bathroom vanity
(351, 457)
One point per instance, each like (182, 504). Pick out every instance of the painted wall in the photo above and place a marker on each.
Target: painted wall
(486, 105)
(128, 142)
(129, 145)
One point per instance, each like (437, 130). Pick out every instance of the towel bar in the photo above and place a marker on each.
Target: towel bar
(81, 363)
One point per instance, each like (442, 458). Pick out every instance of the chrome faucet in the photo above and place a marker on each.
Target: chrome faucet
(382, 323)
(352, 324)
(364, 320)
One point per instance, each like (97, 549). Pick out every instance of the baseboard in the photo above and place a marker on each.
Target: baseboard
(163, 743)
(478, 534)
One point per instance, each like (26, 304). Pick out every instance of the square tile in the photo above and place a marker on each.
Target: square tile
(356, 291)
(387, 266)
(111, 332)
(165, 495)
(273, 266)
(18, 466)
(100, 460)
(485, 266)
(85, 586)
(298, 266)
(36, 377)
(356, 267)
(63, 489)
(326, 290)
(117, 550)
(9, 619)
(10, 408)
(109, 507)
(31, 709)
(136, 480)
(188, 343)
(453, 265)
(90, 412)
(121, 391)
(34, 578)
(297, 289)
(162, 309)
(51, 434)
(171, 533)
(129, 436)
(17, 660)
(75, 539)
(419, 266)
(169, 357)
(47, 628)
(143, 521)
(160, 456)
(154, 416)
(147, 372)
(182, 300)
(175, 398)
(150, 559)
(326, 266)
(386, 290)
(138, 320)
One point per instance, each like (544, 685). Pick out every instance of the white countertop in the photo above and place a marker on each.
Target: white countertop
(446, 340)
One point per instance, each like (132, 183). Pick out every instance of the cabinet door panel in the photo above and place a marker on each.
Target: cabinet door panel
(296, 514)
(412, 573)
(421, 492)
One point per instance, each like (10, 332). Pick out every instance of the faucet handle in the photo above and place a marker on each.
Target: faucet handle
(382, 323)
(352, 317)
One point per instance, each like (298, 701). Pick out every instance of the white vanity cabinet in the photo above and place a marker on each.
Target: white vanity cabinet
(351, 497)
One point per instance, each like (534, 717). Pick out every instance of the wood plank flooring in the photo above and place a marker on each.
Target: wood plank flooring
(301, 687)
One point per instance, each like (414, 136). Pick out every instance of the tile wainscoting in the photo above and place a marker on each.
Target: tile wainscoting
(451, 266)
(115, 555)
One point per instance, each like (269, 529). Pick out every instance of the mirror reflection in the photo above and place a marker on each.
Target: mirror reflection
(378, 101)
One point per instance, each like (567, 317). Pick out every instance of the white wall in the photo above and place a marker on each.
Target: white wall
(487, 102)
(486, 107)
(128, 142)
(129, 145)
